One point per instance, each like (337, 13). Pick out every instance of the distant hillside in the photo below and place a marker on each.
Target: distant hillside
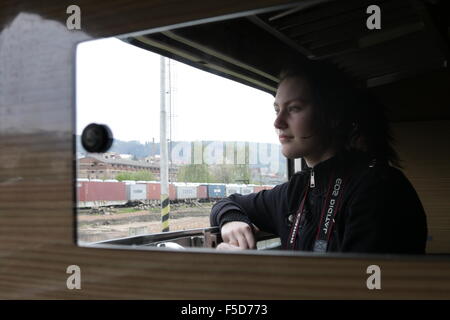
(134, 148)
(140, 150)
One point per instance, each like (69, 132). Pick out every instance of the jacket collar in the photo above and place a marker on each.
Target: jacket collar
(323, 171)
(322, 174)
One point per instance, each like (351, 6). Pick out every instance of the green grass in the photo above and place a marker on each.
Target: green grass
(127, 210)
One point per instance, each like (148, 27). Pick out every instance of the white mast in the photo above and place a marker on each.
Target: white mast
(164, 159)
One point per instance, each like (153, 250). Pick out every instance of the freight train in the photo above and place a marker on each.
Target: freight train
(99, 193)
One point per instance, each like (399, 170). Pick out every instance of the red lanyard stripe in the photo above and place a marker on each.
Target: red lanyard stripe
(294, 230)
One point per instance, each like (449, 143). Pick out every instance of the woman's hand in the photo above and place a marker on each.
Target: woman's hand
(227, 246)
(237, 235)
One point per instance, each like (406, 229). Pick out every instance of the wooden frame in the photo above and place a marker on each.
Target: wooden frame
(36, 184)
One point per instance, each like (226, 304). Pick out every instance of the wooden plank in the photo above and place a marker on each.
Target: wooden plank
(426, 164)
(36, 161)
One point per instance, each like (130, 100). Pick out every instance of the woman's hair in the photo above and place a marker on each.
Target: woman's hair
(348, 117)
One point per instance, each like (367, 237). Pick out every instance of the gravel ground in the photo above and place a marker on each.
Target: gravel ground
(93, 228)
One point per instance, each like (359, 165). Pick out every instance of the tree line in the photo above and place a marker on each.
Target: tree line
(200, 173)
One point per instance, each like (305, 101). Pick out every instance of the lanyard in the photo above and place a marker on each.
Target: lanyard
(294, 230)
(326, 220)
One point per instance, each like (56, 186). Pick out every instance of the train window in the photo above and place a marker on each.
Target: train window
(218, 137)
(190, 110)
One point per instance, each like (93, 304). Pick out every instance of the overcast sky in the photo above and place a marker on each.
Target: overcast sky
(118, 84)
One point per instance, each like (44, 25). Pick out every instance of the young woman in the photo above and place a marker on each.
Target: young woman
(352, 197)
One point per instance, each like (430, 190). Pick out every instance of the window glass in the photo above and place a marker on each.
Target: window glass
(219, 133)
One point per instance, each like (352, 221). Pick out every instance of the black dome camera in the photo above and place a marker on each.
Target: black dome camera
(96, 138)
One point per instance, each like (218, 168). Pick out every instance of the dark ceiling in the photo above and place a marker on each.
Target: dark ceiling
(404, 63)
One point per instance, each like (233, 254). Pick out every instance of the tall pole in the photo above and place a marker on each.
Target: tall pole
(164, 159)
(169, 117)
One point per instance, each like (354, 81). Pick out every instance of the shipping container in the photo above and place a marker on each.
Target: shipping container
(153, 191)
(186, 191)
(137, 192)
(99, 193)
(259, 188)
(172, 192)
(202, 192)
(216, 191)
(231, 189)
(246, 190)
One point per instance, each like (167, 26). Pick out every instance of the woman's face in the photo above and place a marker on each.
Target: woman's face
(294, 120)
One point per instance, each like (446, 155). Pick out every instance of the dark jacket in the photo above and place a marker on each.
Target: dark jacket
(380, 211)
